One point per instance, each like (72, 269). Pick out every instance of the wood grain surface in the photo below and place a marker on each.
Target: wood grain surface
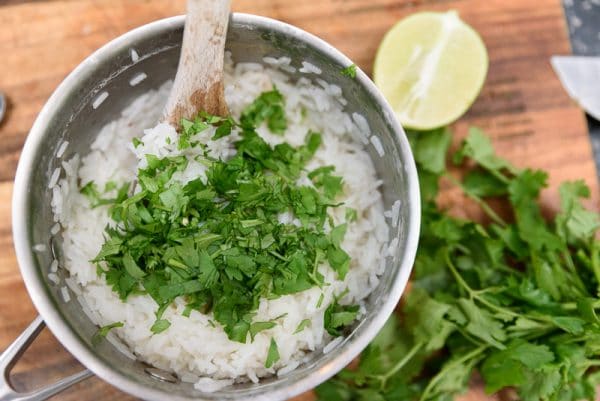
(523, 107)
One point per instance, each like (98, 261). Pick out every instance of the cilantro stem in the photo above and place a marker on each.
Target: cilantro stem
(313, 273)
(571, 267)
(540, 332)
(448, 367)
(590, 363)
(278, 256)
(457, 276)
(500, 176)
(483, 204)
(384, 378)
(573, 305)
(177, 264)
(474, 294)
(468, 336)
(595, 260)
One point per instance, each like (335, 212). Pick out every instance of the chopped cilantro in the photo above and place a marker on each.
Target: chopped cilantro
(272, 355)
(90, 190)
(159, 326)
(218, 242)
(269, 107)
(103, 331)
(302, 325)
(189, 129)
(351, 215)
(320, 300)
(136, 142)
(257, 327)
(349, 71)
(339, 316)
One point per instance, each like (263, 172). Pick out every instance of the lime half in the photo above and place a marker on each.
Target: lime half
(430, 67)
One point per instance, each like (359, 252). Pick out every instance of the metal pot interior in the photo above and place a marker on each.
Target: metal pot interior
(69, 115)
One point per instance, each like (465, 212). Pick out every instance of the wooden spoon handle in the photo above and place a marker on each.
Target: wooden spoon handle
(198, 84)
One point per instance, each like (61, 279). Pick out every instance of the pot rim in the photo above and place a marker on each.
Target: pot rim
(38, 290)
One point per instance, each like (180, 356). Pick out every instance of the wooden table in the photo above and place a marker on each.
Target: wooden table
(523, 106)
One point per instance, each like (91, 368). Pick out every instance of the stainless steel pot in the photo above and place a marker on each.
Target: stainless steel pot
(69, 115)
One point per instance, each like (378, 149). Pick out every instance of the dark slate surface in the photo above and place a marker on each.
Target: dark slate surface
(583, 19)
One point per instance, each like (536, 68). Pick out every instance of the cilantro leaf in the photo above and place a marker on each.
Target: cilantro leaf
(189, 129)
(430, 149)
(483, 325)
(478, 147)
(349, 71)
(302, 325)
(575, 222)
(159, 326)
(339, 316)
(272, 355)
(103, 332)
(269, 107)
(257, 327)
(131, 267)
(508, 367)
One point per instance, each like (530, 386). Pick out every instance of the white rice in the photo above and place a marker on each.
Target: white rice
(308, 68)
(54, 178)
(54, 266)
(54, 278)
(64, 291)
(39, 248)
(391, 250)
(73, 285)
(99, 100)
(289, 368)
(192, 347)
(332, 344)
(283, 63)
(134, 55)
(61, 149)
(395, 213)
(377, 145)
(137, 78)
(210, 385)
(55, 229)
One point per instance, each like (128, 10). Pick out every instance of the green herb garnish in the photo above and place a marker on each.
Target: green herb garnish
(160, 325)
(515, 300)
(272, 355)
(136, 142)
(339, 316)
(302, 325)
(103, 331)
(218, 242)
(91, 192)
(349, 71)
(269, 107)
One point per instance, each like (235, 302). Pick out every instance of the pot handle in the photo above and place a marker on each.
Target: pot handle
(10, 357)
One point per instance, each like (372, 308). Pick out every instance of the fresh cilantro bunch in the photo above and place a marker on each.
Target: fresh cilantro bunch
(514, 300)
(219, 241)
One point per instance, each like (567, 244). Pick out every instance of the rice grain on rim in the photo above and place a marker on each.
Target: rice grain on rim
(137, 78)
(377, 145)
(54, 178)
(99, 100)
(64, 292)
(39, 248)
(61, 149)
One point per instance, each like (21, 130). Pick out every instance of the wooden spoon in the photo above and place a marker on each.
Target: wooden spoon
(199, 81)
